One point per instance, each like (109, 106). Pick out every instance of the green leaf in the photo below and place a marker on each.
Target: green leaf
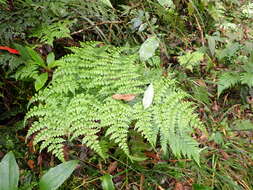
(48, 33)
(247, 78)
(40, 81)
(56, 176)
(9, 173)
(107, 182)
(148, 48)
(148, 96)
(227, 80)
(4, 2)
(107, 2)
(200, 187)
(83, 92)
(35, 57)
(211, 44)
(50, 58)
(166, 3)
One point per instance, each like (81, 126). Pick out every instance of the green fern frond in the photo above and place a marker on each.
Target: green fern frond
(116, 117)
(30, 70)
(170, 117)
(232, 78)
(145, 124)
(48, 33)
(175, 118)
(83, 121)
(9, 62)
(227, 80)
(247, 78)
(78, 105)
(108, 66)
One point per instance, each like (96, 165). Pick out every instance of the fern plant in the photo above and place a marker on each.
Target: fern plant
(80, 103)
(48, 33)
(243, 76)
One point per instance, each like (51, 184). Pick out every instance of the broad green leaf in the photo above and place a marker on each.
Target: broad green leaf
(107, 183)
(50, 58)
(211, 44)
(9, 173)
(40, 81)
(51, 63)
(148, 48)
(148, 96)
(107, 2)
(166, 3)
(56, 176)
(35, 57)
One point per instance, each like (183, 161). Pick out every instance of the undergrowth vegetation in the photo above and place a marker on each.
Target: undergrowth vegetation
(144, 94)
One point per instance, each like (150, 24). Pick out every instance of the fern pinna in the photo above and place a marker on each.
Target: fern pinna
(79, 104)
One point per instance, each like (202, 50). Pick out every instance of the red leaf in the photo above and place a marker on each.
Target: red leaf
(10, 50)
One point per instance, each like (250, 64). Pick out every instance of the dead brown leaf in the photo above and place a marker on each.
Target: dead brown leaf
(30, 146)
(126, 97)
(215, 107)
(112, 167)
(179, 186)
(224, 155)
(30, 163)
(201, 82)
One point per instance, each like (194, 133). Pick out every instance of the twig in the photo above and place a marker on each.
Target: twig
(200, 31)
(142, 181)
(11, 4)
(97, 24)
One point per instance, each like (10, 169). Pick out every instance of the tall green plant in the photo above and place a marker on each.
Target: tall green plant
(86, 98)
(52, 180)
